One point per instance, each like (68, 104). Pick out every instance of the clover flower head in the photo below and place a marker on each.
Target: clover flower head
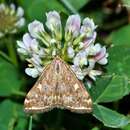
(11, 19)
(75, 44)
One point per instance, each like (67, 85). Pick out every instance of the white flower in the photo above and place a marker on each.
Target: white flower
(35, 60)
(94, 49)
(20, 12)
(88, 27)
(93, 73)
(54, 23)
(13, 8)
(33, 72)
(80, 59)
(72, 27)
(77, 70)
(20, 23)
(89, 40)
(89, 23)
(70, 52)
(35, 28)
(12, 19)
(101, 56)
(28, 45)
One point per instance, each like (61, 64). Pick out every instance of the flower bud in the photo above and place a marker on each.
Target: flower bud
(101, 57)
(72, 27)
(80, 59)
(77, 70)
(35, 28)
(54, 24)
(33, 72)
(88, 27)
(70, 52)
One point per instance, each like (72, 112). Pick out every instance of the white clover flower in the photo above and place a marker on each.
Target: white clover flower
(101, 56)
(29, 46)
(35, 28)
(93, 73)
(54, 24)
(89, 40)
(20, 12)
(80, 59)
(94, 49)
(35, 60)
(12, 19)
(77, 46)
(77, 70)
(71, 52)
(88, 27)
(72, 27)
(20, 23)
(33, 72)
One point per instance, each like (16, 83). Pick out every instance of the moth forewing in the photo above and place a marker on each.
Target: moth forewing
(58, 87)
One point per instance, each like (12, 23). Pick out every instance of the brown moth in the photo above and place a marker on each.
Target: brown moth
(58, 87)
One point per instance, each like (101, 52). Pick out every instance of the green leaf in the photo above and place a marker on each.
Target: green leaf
(126, 127)
(36, 9)
(95, 128)
(109, 117)
(110, 88)
(10, 82)
(119, 60)
(126, 3)
(99, 87)
(120, 36)
(11, 114)
(78, 4)
(21, 124)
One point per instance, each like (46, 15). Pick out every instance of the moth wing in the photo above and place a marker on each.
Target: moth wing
(40, 97)
(73, 95)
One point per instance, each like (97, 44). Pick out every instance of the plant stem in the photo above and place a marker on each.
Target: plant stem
(68, 5)
(5, 56)
(20, 93)
(11, 51)
(30, 123)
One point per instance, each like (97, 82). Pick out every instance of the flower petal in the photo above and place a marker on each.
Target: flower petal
(71, 52)
(54, 24)
(33, 72)
(20, 12)
(27, 40)
(72, 26)
(35, 28)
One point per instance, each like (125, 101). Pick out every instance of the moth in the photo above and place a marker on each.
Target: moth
(58, 87)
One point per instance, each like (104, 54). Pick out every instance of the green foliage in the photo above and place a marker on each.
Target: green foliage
(119, 38)
(78, 4)
(110, 118)
(107, 92)
(126, 3)
(10, 82)
(12, 116)
(36, 9)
